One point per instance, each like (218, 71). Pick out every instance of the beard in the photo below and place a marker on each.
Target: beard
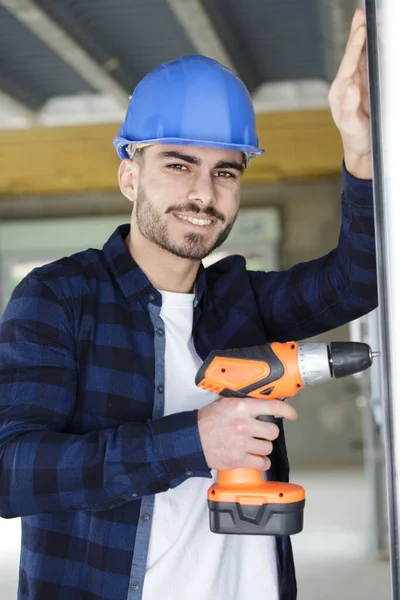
(195, 246)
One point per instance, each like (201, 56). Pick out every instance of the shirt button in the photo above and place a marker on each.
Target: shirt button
(160, 331)
(135, 586)
(152, 297)
(160, 389)
(145, 517)
(189, 473)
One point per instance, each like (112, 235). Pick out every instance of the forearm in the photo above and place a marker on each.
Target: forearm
(354, 261)
(43, 471)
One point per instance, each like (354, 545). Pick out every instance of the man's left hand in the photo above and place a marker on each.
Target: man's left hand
(349, 101)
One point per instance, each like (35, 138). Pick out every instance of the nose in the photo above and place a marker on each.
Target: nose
(202, 188)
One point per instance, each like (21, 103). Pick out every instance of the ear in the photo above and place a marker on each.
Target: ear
(127, 178)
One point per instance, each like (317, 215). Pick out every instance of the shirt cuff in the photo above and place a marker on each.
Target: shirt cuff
(358, 191)
(178, 446)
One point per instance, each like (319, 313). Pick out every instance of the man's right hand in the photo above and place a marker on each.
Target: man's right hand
(229, 427)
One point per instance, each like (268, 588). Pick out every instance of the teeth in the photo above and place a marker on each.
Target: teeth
(196, 221)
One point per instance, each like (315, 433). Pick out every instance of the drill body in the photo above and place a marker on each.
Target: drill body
(241, 501)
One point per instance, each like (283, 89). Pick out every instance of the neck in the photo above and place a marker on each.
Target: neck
(164, 270)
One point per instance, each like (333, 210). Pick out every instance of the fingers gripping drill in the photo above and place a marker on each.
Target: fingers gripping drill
(242, 502)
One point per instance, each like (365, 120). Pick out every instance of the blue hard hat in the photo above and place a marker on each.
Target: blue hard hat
(191, 101)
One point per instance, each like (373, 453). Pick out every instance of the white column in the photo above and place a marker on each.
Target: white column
(384, 52)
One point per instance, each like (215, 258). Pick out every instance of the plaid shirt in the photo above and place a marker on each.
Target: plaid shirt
(84, 445)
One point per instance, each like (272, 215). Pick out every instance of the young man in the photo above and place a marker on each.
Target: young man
(107, 448)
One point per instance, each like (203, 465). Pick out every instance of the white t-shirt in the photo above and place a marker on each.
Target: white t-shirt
(186, 561)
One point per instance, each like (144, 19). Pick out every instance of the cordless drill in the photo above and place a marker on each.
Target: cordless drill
(242, 502)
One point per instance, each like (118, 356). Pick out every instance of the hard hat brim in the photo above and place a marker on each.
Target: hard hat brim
(121, 143)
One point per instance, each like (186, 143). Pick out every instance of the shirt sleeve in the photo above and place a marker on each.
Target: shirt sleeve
(45, 468)
(319, 295)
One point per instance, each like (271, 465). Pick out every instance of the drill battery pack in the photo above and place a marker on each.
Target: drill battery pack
(267, 519)
(241, 502)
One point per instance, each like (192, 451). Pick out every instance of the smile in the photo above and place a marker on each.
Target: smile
(195, 221)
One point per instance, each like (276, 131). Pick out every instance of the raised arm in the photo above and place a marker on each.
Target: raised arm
(322, 294)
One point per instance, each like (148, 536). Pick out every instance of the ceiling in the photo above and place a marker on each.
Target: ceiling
(77, 61)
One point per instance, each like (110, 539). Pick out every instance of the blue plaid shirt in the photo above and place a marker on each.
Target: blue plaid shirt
(84, 445)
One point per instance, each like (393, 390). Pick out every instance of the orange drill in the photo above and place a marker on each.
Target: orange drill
(242, 502)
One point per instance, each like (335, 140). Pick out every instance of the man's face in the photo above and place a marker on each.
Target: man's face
(186, 199)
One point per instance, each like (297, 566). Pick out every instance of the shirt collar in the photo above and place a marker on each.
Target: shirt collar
(129, 276)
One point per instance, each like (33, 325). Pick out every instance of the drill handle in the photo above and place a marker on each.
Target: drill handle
(268, 475)
(268, 419)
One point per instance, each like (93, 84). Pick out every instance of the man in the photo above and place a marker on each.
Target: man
(107, 448)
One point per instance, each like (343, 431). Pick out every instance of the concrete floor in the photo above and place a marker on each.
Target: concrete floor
(333, 554)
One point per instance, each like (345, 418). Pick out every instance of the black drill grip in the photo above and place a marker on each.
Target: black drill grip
(268, 419)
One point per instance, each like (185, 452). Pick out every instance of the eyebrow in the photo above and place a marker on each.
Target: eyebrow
(227, 164)
(193, 160)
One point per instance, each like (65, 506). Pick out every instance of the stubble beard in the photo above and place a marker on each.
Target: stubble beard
(153, 228)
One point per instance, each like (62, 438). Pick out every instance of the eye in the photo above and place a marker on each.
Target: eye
(225, 175)
(178, 167)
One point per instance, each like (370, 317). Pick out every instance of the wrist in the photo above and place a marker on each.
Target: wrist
(360, 166)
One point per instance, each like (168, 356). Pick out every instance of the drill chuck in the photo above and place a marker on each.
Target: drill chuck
(319, 362)
(347, 358)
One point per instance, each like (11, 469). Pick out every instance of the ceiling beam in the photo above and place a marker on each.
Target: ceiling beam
(200, 30)
(62, 44)
(299, 145)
